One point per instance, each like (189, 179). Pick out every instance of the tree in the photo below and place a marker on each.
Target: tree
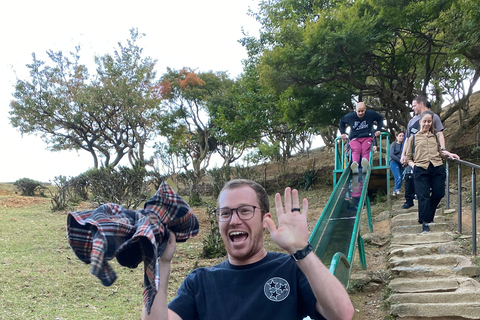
(108, 115)
(387, 50)
(184, 117)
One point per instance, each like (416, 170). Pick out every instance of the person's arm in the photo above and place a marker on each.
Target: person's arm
(159, 310)
(409, 152)
(441, 139)
(292, 235)
(443, 152)
(404, 150)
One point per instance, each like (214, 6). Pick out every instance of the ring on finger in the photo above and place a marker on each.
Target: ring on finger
(296, 209)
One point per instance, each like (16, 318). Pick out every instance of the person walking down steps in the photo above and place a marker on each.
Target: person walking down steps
(425, 155)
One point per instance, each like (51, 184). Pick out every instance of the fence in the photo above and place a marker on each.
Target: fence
(474, 197)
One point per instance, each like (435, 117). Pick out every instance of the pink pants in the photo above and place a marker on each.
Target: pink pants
(361, 148)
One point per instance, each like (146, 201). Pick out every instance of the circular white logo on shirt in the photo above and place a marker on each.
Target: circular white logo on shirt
(276, 289)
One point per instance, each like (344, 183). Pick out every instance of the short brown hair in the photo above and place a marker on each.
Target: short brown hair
(259, 190)
(423, 99)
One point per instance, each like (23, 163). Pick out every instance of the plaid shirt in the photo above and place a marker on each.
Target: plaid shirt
(97, 236)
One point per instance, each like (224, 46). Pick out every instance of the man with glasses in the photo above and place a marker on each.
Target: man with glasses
(253, 283)
(419, 105)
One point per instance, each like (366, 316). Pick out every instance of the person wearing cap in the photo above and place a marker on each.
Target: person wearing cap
(361, 134)
(420, 104)
(253, 283)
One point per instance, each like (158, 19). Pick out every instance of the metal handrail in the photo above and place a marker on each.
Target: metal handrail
(459, 194)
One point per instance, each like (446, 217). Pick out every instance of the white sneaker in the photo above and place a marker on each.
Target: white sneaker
(354, 167)
(364, 165)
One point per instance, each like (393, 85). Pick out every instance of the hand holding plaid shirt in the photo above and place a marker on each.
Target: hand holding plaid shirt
(97, 236)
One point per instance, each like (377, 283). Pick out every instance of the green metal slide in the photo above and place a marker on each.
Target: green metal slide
(337, 232)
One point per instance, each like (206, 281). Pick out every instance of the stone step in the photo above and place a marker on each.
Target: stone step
(412, 221)
(438, 297)
(417, 228)
(398, 211)
(435, 271)
(422, 238)
(414, 216)
(451, 260)
(457, 311)
(409, 285)
(427, 249)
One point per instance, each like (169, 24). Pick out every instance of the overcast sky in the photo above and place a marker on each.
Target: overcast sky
(183, 33)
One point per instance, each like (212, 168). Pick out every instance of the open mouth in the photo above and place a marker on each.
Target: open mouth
(238, 236)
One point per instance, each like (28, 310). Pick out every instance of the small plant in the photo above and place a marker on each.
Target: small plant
(469, 197)
(59, 199)
(213, 246)
(380, 196)
(386, 304)
(475, 152)
(476, 261)
(309, 178)
(356, 286)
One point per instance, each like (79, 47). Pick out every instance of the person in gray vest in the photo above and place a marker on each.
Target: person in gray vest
(419, 105)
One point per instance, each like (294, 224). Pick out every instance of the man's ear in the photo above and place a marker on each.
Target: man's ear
(269, 215)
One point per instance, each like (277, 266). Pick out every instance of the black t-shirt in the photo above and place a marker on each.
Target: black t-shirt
(273, 288)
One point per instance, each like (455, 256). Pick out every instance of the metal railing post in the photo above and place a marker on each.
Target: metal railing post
(459, 211)
(447, 185)
(474, 212)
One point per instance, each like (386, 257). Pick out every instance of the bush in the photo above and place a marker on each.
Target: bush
(27, 186)
(218, 178)
(60, 198)
(79, 186)
(125, 186)
(213, 246)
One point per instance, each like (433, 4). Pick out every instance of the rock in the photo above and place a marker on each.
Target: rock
(375, 239)
(382, 216)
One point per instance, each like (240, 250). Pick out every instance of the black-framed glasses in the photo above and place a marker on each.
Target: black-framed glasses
(245, 212)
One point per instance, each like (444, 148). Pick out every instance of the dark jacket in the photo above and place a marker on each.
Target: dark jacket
(395, 151)
(361, 127)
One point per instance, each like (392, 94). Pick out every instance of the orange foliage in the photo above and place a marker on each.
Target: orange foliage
(191, 80)
(164, 89)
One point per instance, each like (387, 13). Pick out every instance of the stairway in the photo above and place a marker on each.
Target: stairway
(432, 271)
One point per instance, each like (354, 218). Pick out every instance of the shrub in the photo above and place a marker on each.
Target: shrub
(213, 246)
(309, 178)
(79, 186)
(27, 186)
(218, 177)
(60, 198)
(125, 186)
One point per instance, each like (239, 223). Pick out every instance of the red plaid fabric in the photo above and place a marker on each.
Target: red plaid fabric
(111, 231)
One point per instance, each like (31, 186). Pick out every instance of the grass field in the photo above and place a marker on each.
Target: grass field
(42, 278)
